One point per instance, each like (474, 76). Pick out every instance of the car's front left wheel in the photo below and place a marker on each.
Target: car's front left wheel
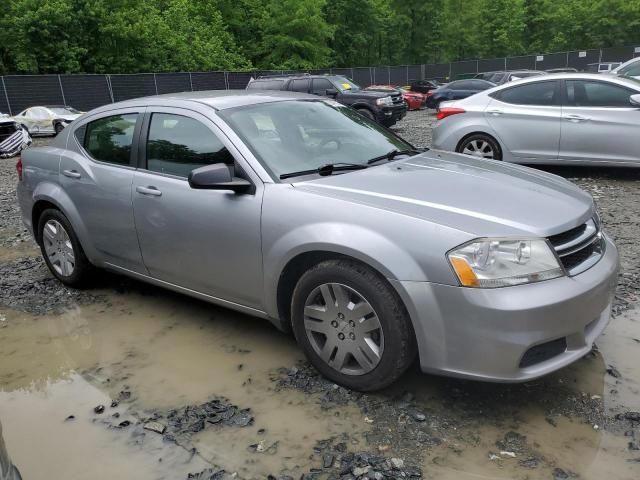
(61, 249)
(352, 325)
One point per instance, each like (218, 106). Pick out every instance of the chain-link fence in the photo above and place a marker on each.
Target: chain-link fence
(85, 92)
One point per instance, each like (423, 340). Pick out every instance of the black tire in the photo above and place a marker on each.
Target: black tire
(367, 113)
(58, 127)
(82, 267)
(481, 137)
(399, 338)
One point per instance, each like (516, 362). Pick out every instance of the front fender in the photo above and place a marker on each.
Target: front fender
(359, 242)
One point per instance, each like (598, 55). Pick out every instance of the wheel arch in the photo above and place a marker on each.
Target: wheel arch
(480, 132)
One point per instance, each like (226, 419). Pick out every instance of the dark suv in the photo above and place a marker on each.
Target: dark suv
(384, 107)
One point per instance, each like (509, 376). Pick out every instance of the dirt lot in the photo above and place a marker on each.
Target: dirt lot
(125, 380)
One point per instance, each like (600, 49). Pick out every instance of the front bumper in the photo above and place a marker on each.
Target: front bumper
(484, 334)
(390, 115)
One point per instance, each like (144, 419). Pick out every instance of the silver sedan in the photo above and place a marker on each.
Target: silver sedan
(301, 211)
(571, 119)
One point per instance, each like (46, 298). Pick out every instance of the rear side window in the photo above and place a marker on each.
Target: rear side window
(266, 85)
(177, 145)
(320, 86)
(109, 139)
(538, 93)
(299, 85)
(461, 85)
(582, 93)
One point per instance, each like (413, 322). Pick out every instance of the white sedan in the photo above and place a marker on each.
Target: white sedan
(49, 120)
(568, 118)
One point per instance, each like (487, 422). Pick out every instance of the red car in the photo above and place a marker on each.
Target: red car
(414, 100)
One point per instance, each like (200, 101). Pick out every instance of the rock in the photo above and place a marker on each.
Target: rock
(99, 409)
(155, 427)
(559, 474)
(397, 463)
(327, 460)
(632, 416)
(212, 473)
(124, 424)
(633, 446)
(70, 418)
(613, 371)
(114, 404)
(359, 471)
(505, 453)
(418, 417)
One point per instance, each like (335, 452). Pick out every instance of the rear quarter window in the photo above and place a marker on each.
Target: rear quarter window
(266, 85)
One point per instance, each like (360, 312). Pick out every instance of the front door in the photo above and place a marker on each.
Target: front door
(96, 172)
(204, 240)
(527, 118)
(599, 124)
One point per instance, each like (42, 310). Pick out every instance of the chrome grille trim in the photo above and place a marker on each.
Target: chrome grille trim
(580, 248)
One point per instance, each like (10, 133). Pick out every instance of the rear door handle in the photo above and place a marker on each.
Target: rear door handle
(576, 118)
(150, 190)
(71, 173)
(495, 112)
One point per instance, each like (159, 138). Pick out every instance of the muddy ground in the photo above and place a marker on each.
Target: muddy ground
(125, 380)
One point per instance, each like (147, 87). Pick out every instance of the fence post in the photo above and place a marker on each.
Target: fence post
(600, 57)
(64, 100)
(190, 81)
(566, 62)
(155, 82)
(108, 79)
(6, 96)
(406, 76)
(226, 80)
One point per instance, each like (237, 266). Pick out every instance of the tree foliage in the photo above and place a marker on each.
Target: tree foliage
(114, 36)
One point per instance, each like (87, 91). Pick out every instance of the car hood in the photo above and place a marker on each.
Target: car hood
(368, 93)
(481, 197)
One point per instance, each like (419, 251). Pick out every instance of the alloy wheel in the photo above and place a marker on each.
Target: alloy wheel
(58, 248)
(479, 148)
(343, 329)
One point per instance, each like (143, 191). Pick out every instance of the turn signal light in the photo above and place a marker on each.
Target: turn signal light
(445, 112)
(464, 272)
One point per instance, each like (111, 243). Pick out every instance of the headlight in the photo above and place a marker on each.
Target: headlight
(491, 263)
(384, 101)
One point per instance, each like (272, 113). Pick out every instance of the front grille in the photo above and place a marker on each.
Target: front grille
(579, 248)
(542, 352)
(6, 130)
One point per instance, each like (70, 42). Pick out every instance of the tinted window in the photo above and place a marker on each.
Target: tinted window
(301, 85)
(480, 85)
(266, 85)
(581, 93)
(321, 85)
(538, 93)
(632, 70)
(109, 139)
(461, 85)
(177, 145)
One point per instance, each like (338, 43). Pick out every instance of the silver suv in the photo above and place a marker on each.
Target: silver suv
(299, 210)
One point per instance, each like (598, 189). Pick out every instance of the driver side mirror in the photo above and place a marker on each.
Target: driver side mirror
(218, 176)
(331, 92)
(635, 100)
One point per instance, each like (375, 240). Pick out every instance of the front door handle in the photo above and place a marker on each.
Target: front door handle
(150, 190)
(495, 112)
(71, 173)
(576, 118)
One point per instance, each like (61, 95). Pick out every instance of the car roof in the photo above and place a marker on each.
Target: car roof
(217, 99)
(624, 81)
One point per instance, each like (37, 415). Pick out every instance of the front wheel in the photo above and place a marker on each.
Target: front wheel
(366, 113)
(481, 146)
(61, 249)
(58, 127)
(352, 325)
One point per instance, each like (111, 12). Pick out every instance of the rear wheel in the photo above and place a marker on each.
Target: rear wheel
(58, 127)
(61, 249)
(352, 326)
(481, 146)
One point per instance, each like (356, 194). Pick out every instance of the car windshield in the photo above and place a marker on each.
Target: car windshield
(295, 135)
(345, 84)
(64, 110)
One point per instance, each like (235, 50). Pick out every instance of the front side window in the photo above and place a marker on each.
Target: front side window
(583, 93)
(538, 93)
(109, 139)
(290, 136)
(321, 85)
(177, 145)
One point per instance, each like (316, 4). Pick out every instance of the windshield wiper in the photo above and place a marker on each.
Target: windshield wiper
(392, 154)
(327, 169)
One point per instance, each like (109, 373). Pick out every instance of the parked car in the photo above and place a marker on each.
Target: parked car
(566, 118)
(383, 107)
(605, 67)
(423, 86)
(629, 69)
(456, 90)
(299, 210)
(562, 70)
(414, 100)
(13, 137)
(509, 76)
(49, 120)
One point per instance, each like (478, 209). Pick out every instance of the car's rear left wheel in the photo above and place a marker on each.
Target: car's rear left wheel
(352, 326)
(61, 249)
(481, 146)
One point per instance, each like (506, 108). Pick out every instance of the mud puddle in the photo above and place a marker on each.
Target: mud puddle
(166, 352)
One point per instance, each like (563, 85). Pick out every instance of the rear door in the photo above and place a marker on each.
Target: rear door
(302, 85)
(96, 172)
(599, 124)
(204, 240)
(526, 119)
